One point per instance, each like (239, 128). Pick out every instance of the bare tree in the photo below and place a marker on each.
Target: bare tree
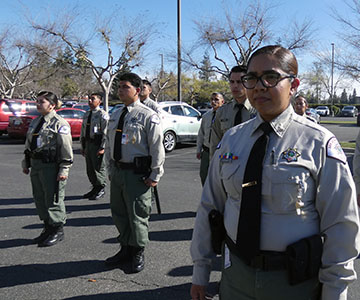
(240, 34)
(348, 59)
(119, 49)
(15, 63)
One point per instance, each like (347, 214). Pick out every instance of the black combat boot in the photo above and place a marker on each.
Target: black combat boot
(44, 234)
(124, 255)
(99, 193)
(138, 259)
(56, 235)
(91, 193)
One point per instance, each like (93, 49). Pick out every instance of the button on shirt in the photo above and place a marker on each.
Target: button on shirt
(302, 160)
(142, 136)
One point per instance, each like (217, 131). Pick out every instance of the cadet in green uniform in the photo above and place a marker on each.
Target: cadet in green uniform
(134, 156)
(286, 195)
(145, 96)
(48, 158)
(93, 138)
(233, 113)
(204, 135)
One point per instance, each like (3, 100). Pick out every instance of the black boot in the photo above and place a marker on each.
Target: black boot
(44, 234)
(138, 259)
(124, 255)
(56, 235)
(91, 193)
(99, 193)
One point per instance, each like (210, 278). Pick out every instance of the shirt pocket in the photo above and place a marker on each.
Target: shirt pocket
(231, 178)
(133, 130)
(225, 124)
(47, 137)
(284, 186)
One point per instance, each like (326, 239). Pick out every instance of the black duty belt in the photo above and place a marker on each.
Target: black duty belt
(125, 166)
(265, 260)
(36, 155)
(206, 149)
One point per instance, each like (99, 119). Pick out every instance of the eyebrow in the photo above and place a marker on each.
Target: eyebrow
(264, 72)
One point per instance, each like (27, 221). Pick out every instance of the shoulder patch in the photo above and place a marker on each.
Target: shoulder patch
(155, 119)
(334, 150)
(64, 129)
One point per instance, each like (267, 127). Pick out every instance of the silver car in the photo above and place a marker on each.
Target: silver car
(180, 122)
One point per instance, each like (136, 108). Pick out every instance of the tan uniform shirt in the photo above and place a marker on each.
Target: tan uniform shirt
(225, 117)
(152, 104)
(142, 136)
(204, 131)
(302, 160)
(356, 164)
(98, 125)
(55, 134)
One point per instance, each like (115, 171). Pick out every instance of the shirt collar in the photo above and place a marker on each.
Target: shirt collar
(246, 104)
(48, 116)
(280, 124)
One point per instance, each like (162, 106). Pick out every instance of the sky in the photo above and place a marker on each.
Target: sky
(164, 14)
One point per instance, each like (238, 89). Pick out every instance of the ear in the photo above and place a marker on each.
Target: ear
(138, 90)
(294, 85)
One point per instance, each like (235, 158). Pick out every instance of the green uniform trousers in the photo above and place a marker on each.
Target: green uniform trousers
(242, 282)
(204, 166)
(95, 165)
(48, 193)
(130, 203)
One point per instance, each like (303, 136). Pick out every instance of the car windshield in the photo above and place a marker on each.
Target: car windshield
(348, 108)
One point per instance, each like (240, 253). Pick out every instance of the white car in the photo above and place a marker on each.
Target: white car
(323, 111)
(180, 122)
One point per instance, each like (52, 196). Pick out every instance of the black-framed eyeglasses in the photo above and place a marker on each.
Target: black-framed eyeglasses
(268, 80)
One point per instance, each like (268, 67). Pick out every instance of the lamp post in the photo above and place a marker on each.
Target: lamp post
(332, 77)
(179, 47)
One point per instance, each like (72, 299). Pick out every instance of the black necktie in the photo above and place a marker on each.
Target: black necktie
(35, 134)
(118, 135)
(88, 122)
(237, 119)
(248, 235)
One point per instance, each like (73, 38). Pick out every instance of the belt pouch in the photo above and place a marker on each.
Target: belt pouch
(297, 260)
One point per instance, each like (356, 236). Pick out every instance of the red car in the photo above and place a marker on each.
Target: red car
(18, 126)
(13, 107)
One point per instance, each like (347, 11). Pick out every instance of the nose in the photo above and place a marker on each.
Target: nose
(259, 85)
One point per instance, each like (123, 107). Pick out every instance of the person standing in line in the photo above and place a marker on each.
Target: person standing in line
(145, 96)
(93, 138)
(286, 196)
(233, 113)
(48, 158)
(204, 135)
(356, 168)
(300, 107)
(135, 157)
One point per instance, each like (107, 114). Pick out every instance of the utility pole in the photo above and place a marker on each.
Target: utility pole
(179, 48)
(332, 77)
(162, 66)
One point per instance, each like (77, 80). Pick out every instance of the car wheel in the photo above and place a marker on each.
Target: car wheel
(169, 141)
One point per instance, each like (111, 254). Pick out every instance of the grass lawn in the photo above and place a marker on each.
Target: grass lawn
(348, 145)
(338, 122)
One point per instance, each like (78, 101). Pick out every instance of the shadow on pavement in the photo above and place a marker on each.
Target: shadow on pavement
(172, 216)
(33, 273)
(171, 235)
(15, 243)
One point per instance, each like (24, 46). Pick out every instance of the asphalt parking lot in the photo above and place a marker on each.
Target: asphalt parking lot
(74, 269)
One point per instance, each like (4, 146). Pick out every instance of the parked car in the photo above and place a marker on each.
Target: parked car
(83, 106)
(18, 126)
(180, 122)
(311, 112)
(349, 111)
(323, 111)
(13, 107)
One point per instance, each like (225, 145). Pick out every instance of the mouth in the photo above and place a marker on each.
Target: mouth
(261, 99)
